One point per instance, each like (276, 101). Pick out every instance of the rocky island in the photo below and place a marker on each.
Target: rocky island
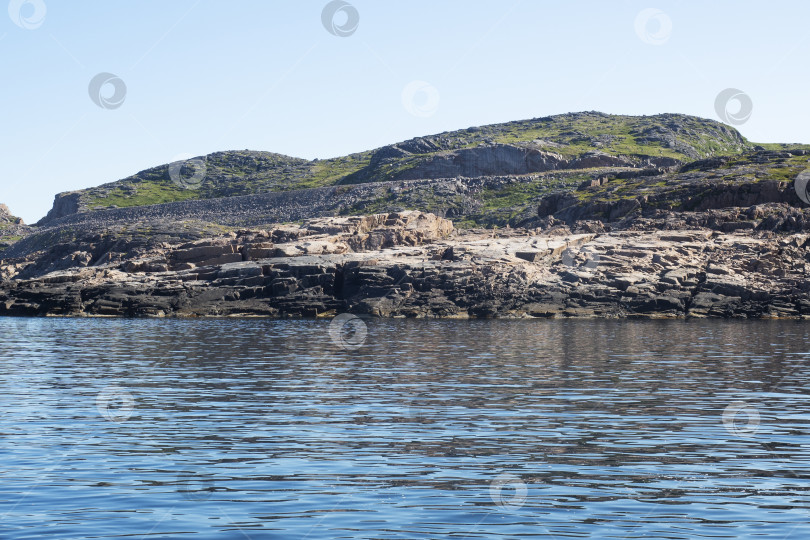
(577, 215)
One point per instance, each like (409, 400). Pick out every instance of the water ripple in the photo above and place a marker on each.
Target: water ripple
(432, 429)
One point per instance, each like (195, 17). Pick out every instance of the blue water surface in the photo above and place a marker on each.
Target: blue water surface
(259, 429)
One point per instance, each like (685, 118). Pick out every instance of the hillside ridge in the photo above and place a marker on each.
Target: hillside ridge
(566, 141)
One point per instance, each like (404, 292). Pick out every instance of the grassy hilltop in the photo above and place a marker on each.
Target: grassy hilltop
(666, 139)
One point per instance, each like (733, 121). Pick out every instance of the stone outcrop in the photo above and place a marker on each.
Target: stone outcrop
(6, 217)
(413, 264)
(496, 159)
(12, 228)
(64, 204)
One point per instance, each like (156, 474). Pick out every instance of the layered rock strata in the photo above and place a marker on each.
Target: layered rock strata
(415, 264)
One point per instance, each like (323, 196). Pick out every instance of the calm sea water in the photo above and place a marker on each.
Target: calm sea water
(431, 429)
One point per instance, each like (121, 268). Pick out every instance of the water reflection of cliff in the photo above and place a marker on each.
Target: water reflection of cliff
(581, 353)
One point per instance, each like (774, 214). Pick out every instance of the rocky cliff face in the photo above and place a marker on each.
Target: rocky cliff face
(64, 204)
(509, 160)
(413, 264)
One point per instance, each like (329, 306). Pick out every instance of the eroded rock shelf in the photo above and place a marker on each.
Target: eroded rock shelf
(414, 264)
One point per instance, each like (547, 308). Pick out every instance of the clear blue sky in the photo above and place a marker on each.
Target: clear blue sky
(208, 75)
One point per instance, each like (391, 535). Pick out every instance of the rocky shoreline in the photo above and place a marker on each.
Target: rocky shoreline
(575, 215)
(415, 264)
